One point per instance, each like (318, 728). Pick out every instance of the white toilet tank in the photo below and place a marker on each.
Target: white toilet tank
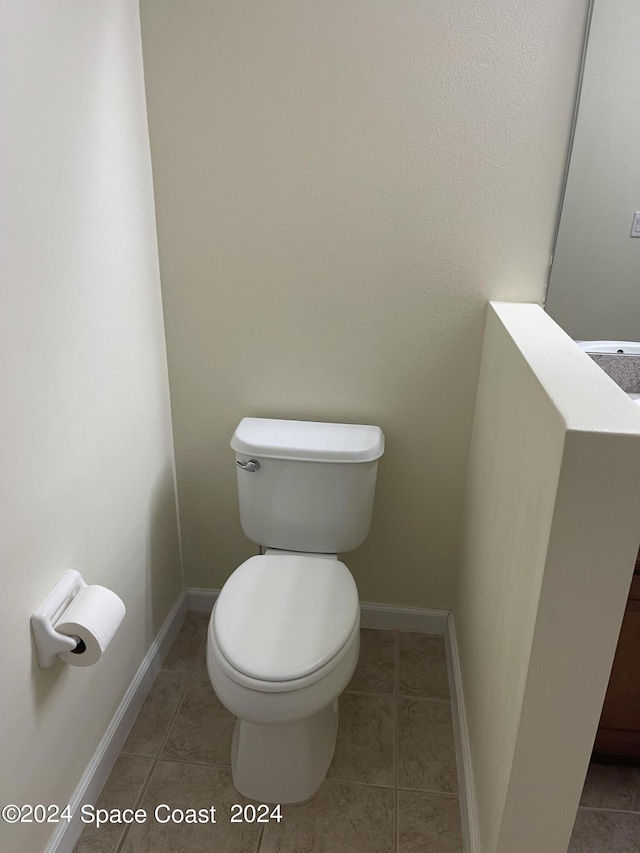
(314, 485)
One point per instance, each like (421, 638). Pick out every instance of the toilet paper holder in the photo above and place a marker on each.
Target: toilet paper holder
(49, 642)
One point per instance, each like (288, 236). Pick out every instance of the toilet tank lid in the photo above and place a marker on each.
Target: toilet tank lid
(308, 441)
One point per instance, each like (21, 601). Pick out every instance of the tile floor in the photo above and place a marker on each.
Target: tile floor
(608, 819)
(392, 786)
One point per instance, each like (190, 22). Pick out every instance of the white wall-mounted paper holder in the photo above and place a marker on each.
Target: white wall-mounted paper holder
(49, 642)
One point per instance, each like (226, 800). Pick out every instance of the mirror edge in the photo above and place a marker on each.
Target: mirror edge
(572, 132)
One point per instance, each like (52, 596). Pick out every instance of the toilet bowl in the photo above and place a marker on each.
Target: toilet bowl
(284, 638)
(283, 643)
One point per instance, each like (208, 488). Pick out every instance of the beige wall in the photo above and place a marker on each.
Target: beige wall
(552, 524)
(87, 455)
(340, 186)
(593, 292)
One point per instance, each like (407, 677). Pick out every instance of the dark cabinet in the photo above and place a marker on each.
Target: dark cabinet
(618, 737)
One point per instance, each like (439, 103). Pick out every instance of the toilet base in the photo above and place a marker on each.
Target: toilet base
(284, 763)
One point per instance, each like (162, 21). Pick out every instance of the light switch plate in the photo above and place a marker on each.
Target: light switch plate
(635, 228)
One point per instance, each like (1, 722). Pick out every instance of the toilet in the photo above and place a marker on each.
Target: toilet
(284, 635)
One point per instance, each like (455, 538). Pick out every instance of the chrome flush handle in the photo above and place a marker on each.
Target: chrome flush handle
(251, 465)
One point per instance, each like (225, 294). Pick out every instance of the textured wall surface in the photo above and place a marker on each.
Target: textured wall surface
(340, 187)
(551, 534)
(87, 458)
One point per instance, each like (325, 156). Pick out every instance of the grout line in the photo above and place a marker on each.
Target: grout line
(346, 782)
(196, 763)
(370, 693)
(181, 702)
(390, 787)
(424, 698)
(605, 809)
(155, 760)
(396, 815)
(447, 794)
(144, 785)
(154, 764)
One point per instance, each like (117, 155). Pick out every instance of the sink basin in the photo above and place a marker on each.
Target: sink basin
(624, 371)
(620, 347)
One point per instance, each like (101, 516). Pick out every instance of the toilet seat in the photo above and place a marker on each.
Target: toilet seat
(284, 621)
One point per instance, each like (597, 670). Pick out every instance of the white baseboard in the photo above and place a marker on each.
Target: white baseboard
(468, 805)
(201, 600)
(385, 616)
(98, 769)
(392, 616)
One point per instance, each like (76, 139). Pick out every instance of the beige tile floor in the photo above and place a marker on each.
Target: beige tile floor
(392, 786)
(608, 819)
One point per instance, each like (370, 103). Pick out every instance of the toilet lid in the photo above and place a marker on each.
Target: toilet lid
(282, 617)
